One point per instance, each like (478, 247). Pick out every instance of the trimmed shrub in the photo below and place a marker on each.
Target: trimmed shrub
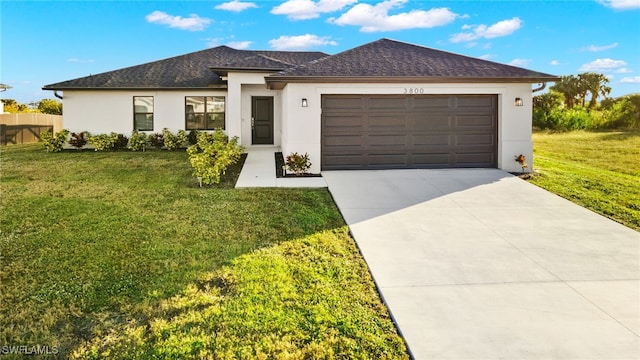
(104, 142)
(193, 137)
(174, 141)
(211, 156)
(121, 142)
(138, 141)
(54, 142)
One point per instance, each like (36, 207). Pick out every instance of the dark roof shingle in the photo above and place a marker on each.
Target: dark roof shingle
(193, 70)
(390, 58)
(382, 60)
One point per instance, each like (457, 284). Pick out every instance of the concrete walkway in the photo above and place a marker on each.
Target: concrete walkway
(259, 171)
(478, 264)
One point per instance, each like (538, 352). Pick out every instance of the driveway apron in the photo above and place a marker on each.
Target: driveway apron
(479, 264)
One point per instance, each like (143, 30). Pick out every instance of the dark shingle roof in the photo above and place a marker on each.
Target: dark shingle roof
(393, 59)
(379, 61)
(193, 70)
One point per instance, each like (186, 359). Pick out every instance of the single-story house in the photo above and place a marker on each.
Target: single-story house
(382, 105)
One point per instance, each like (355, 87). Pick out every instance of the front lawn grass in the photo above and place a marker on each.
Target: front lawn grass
(121, 255)
(598, 170)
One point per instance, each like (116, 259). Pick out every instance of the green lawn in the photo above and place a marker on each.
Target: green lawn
(121, 255)
(598, 170)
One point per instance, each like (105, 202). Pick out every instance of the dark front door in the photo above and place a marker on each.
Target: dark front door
(262, 120)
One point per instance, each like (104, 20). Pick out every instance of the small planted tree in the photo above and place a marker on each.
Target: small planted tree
(522, 161)
(211, 156)
(298, 164)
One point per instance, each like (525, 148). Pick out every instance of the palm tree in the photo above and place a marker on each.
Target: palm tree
(568, 86)
(596, 85)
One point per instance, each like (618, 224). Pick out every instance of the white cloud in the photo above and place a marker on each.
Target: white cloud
(595, 48)
(623, 71)
(631, 80)
(501, 28)
(603, 65)
(300, 42)
(191, 23)
(520, 62)
(80, 61)
(240, 45)
(236, 6)
(374, 18)
(554, 62)
(309, 9)
(487, 56)
(621, 4)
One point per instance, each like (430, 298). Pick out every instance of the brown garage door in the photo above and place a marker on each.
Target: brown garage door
(415, 131)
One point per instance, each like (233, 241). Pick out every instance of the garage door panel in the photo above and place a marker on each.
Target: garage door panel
(385, 122)
(341, 122)
(427, 122)
(474, 121)
(431, 139)
(386, 103)
(432, 103)
(417, 131)
(475, 139)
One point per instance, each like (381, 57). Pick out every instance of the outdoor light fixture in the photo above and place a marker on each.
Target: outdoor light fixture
(519, 102)
(305, 103)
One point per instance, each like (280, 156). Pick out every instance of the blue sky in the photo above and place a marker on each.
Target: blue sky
(44, 42)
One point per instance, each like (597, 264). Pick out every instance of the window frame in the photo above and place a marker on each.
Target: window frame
(206, 99)
(136, 113)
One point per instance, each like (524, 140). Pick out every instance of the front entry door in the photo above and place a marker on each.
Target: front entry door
(262, 120)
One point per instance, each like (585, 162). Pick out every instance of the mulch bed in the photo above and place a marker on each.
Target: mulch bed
(280, 173)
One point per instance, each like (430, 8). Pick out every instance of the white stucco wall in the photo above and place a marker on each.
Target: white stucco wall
(106, 111)
(301, 127)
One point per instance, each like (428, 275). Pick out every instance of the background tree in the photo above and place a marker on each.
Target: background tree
(596, 85)
(568, 87)
(50, 106)
(12, 106)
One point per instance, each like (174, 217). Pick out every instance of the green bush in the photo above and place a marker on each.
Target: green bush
(299, 164)
(138, 141)
(211, 156)
(174, 141)
(54, 142)
(105, 142)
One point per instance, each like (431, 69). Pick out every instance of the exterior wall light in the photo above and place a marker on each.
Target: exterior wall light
(519, 102)
(305, 103)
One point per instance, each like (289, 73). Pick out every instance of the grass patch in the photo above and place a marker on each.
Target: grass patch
(120, 255)
(598, 170)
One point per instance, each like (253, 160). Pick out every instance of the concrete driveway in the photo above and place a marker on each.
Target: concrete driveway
(479, 264)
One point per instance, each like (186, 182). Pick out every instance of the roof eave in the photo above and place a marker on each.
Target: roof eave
(279, 82)
(131, 88)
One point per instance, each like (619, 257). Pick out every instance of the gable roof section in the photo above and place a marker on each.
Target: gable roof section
(190, 71)
(393, 61)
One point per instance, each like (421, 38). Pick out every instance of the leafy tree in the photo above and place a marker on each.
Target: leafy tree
(50, 106)
(569, 88)
(596, 85)
(12, 106)
(575, 89)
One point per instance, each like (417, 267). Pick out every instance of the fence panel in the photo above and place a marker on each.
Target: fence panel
(26, 128)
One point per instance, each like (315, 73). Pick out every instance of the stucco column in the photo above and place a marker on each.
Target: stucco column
(234, 107)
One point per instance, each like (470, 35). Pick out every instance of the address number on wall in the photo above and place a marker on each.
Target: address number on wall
(414, 90)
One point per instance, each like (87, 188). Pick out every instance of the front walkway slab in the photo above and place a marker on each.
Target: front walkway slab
(479, 264)
(259, 171)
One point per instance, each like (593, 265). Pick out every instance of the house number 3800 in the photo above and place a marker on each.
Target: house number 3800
(414, 90)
